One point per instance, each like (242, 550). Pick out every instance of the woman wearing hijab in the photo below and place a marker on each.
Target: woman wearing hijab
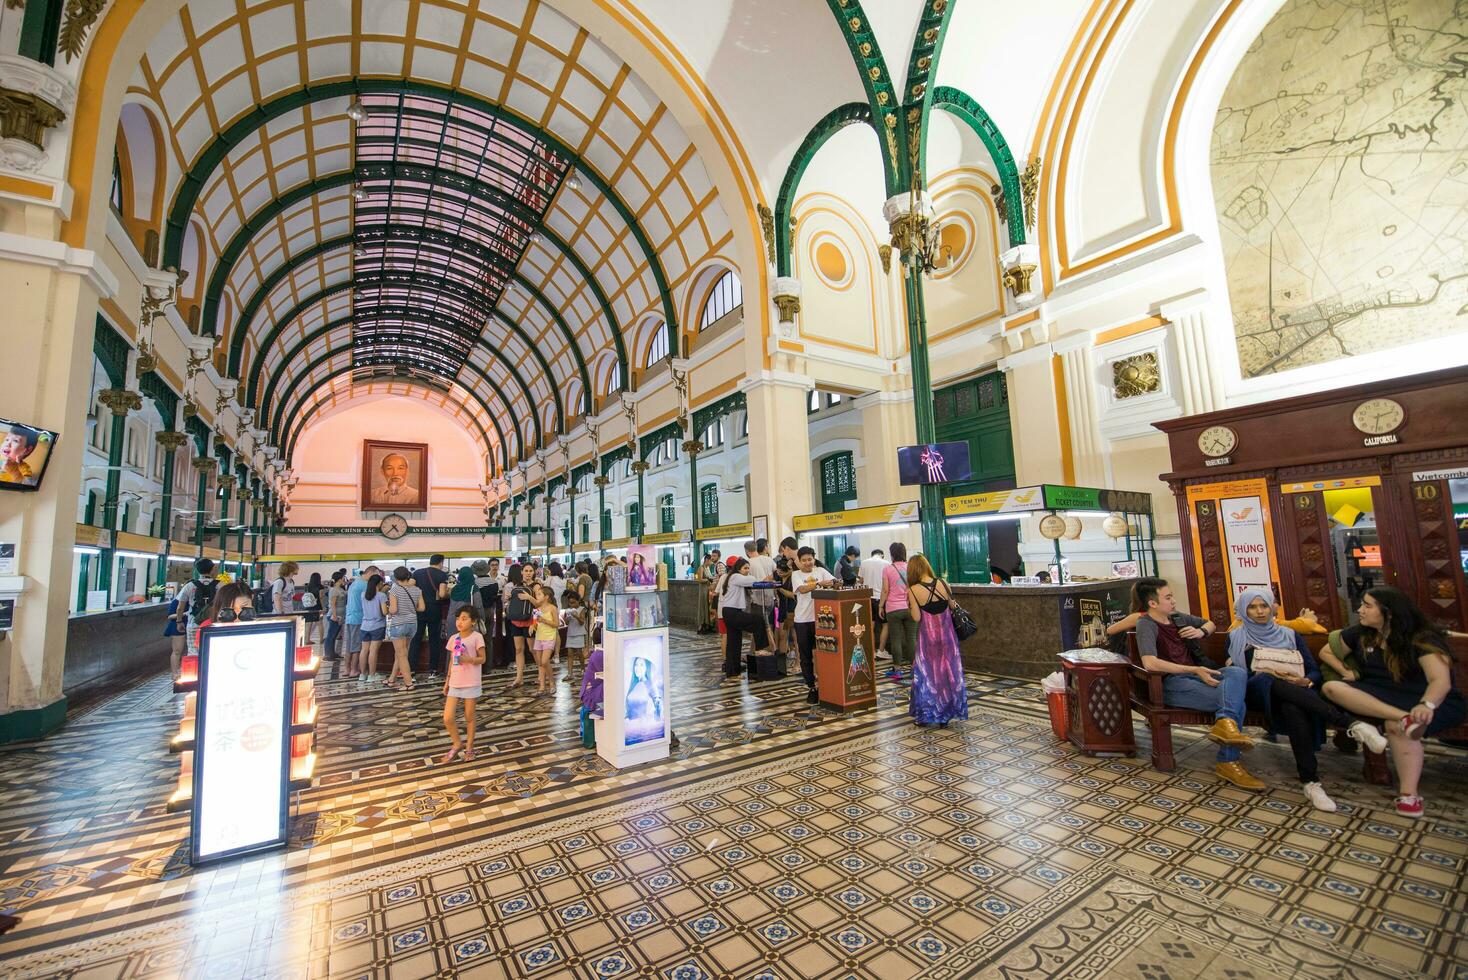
(1284, 683)
(462, 593)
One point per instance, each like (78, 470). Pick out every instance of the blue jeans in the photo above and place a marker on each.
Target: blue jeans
(333, 631)
(1224, 701)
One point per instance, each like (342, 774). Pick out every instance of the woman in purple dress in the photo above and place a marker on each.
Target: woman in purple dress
(938, 693)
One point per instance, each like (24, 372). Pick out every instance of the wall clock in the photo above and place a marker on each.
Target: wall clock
(393, 526)
(1217, 440)
(1378, 416)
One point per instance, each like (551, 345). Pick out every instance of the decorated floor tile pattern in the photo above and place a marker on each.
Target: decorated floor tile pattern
(780, 840)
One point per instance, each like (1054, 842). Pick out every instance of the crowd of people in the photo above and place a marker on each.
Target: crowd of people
(1385, 683)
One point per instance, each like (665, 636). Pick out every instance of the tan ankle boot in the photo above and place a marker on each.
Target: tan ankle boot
(1234, 773)
(1226, 732)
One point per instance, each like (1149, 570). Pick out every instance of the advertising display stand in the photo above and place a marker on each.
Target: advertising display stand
(246, 741)
(846, 670)
(635, 726)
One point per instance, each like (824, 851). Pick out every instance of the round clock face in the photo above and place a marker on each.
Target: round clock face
(393, 526)
(1378, 416)
(1217, 440)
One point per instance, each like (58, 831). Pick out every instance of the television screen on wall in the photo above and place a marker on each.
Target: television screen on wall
(24, 453)
(941, 462)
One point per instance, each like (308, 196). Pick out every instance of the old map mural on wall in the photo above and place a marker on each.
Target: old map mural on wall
(1340, 169)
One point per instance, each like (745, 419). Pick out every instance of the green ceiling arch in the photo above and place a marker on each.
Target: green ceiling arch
(399, 232)
(278, 416)
(275, 377)
(883, 100)
(301, 426)
(828, 125)
(967, 109)
(194, 180)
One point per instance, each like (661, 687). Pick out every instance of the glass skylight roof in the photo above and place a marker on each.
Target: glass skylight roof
(452, 196)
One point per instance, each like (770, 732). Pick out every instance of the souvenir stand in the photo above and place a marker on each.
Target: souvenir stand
(846, 670)
(246, 741)
(635, 726)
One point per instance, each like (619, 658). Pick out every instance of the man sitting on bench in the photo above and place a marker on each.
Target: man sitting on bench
(1167, 643)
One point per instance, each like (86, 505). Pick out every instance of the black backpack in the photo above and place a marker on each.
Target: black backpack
(203, 599)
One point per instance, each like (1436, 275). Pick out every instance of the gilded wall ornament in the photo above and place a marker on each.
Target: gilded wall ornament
(79, 17)
(1135, 375)
(1029, 185)
(767, 225)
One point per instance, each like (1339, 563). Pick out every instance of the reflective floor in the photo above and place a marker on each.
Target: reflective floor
(780, 840)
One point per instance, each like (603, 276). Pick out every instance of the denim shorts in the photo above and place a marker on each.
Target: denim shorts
(373, 636)
(402, 631)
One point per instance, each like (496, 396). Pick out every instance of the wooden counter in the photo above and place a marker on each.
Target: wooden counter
(1023, 627)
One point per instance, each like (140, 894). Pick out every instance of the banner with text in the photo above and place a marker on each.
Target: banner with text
(1246, 542)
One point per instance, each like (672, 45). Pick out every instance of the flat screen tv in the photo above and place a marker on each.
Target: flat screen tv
(940, 462)
(24, 453)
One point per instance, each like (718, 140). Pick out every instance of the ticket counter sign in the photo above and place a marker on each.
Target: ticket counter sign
(1246, 542)
(615, 544)
(666, 538)
(242, 740)
(88, 536)
(725, 532)
(903, 513)
(1016, 501)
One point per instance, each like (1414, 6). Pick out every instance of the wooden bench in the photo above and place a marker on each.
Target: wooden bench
(1147, 701)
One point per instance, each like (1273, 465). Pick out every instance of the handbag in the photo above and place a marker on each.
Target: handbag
(1275, 660)
(519, 611)
(963, 624)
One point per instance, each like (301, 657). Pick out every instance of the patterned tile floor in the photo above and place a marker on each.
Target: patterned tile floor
(778, 841)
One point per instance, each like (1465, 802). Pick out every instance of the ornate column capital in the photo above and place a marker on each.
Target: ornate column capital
(786, 294)
(205, 464)
(227, 481)
(33, 99)
(692, 447)
(171, 441)
(120, 400)
(1019, 265)
(640, 467)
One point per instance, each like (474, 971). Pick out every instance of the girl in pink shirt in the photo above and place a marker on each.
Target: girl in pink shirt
(466, 661)
(902, 629)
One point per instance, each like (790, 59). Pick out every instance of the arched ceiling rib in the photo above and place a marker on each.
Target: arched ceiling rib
(256, 95)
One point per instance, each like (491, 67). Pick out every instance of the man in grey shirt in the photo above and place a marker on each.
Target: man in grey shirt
(1166, 640)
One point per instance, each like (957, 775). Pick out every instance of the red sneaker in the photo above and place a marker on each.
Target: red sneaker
(1410, 806)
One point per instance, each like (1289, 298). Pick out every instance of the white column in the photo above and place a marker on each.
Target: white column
(1086, 442)
(779, 448)
(1200, 381)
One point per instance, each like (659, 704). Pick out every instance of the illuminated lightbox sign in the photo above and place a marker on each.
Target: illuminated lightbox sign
(242, 742)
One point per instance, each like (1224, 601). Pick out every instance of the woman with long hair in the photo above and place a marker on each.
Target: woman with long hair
(312, 607)
(374, 629)
(902, 630)
(938, 692)
(404, 603)
(1406, 681)
(520, 617)
(232, 598)
(734, 605)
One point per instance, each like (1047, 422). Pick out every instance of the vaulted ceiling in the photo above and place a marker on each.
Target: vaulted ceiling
(513, 206)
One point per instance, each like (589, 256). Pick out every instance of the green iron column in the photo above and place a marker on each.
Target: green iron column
(171, 443)
(693, 449)
(202, 465)
(120, 401)
(935, 538)
(571, 519)
(601, 508)
(547, 524)
(226, 484)
(640, 468)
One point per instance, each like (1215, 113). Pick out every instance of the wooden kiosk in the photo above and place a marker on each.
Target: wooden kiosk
(846, 668)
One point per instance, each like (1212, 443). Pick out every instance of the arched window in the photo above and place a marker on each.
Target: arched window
(713, 435)
(634, 519)
(658, 349)
(565, 534)
(606, 524)
(614, 380)
(838, 481)
(813, 403)
(708, 505)
(585, 528)
(726, 296)
(667, 514)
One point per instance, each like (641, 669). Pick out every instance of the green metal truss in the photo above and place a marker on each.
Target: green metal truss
(290, 443)
(647, 444)
(621, 453)
(240, 241)
(258, 298)
(711, 413)
(585, 469)
(163, 397)
(193, 182)
(278, 416)
(112, 349)
(196, 428)
(955, 101)
(275, 376)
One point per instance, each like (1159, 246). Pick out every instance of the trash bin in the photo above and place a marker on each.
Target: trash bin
(1059, 721)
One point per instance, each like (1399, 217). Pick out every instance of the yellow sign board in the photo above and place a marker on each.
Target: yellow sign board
(615, 544)
(903, 513)
(93, 537)
(666, 537)
(1016, 501)
(182, 548)
(214, 553)
(127, 541)
(1349, 483)
(725, 532)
